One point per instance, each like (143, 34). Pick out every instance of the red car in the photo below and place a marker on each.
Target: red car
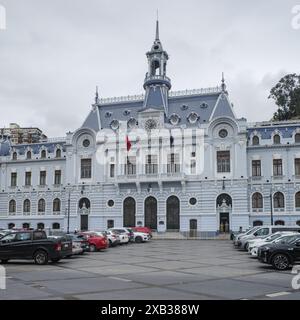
(96, 242)
(143, 229)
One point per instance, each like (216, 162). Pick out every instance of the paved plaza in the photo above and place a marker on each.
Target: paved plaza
(159, 270)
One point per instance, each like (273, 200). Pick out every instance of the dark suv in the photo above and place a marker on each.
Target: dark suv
(281, 254)
(33, 245)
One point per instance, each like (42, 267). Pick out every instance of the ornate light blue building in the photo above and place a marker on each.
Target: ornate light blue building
(251, 172)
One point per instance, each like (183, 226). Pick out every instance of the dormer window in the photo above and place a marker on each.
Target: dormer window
(28, 155)
(58, 153)
(15, 156)
(43, 154)
(277, 139)
(297, 138)
(255, 141)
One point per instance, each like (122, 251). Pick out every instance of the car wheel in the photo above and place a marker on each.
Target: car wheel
(40, 257)
(246, 246)
(93, 248)
(138, 240)
(281, 261)
(3, 261)
(55, 260)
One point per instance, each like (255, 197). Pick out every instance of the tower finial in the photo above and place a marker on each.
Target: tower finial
(97, 96)
(223, 86)
(157, 27)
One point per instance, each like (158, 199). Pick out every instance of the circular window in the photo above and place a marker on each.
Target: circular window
(115, 125)
(127, 113)
(86, 143)
(193, 117)
(193, 201)
(184, 107)
(108, 114)
(204, 105)
(174, 119)
(156, 47)
(223, 133)
(111, 203)
(132, 123)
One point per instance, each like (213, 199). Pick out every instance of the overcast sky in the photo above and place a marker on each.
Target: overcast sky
(54, 52)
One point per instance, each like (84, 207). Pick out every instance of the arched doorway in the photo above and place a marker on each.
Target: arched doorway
(151, 213)
(224, 208)
(173, 214)
(84, 210)
(129, 208)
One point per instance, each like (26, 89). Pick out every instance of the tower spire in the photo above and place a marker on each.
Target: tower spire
(157, 28)
(223, 86)
(97, 95)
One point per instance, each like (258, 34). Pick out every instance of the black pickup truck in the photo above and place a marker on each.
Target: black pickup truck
(33, 245)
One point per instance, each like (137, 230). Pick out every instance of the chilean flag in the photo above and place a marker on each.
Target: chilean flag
(128, 143)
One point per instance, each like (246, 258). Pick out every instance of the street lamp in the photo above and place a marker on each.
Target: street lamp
(271, 203)
(68, 212)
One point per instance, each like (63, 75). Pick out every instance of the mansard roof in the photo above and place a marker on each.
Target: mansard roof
(183, 103)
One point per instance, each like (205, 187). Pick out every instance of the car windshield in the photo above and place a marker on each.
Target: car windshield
(273, 237)
(251, 230)
(9, 237)
(286, 239)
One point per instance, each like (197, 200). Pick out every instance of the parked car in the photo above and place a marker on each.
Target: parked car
(123, 237)
(238, 236)
(143, 230)
(33, 245)
(140, 237)
(96, 242)
(82, 240)
(254, 244)
(127, 231)
(113, 238)
(242, 242)
(281, 254)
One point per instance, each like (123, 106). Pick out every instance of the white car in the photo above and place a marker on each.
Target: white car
(76, 248)
(140, 237)
(266, 239)
(123, 237)
(279, 237)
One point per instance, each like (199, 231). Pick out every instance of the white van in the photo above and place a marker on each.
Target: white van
(263, 231)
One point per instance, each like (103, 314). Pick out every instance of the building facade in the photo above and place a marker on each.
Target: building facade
(237, 174)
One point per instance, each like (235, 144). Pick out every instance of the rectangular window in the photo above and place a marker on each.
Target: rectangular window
(223, 161)
(112, 170)
(42, 178)
(173, 163)
(277, 167)
(28, 179)
(57, 177)
(86, 168)
(256, 168)
(151, 164)
(13, 179)
(297, 167)
(130, 167)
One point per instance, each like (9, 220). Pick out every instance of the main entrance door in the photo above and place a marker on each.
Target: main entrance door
(173, 214)
(224, 222)
(151, 213)
(129, 213)
(84, 222)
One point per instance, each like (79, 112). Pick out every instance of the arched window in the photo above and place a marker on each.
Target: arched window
(58, 153)
(56, 205)
(297, 201)
(43, 154)
(11, 226)
(279, 223)
(258, 223)
(257, 201)
(26, 206)
(55, 226)
(255, 141)
(12, 207)
(41, 226)
(41, 206)
(15, 156)
(276, 139)
(297, 138)
(155, 68)
(278, 200)
(26, 225)
(28, 155)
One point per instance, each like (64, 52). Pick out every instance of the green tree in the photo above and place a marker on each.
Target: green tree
(286, 94)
